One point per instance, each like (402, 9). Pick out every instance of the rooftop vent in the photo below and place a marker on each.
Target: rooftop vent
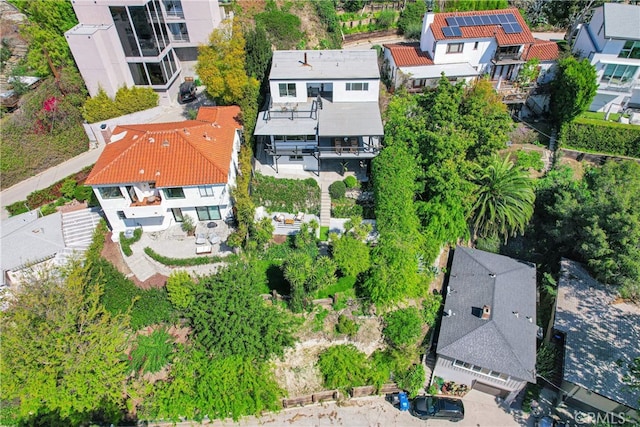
(105, 130)
(141, 171)
(515, 313)
(207, 137)
(215, 125)
(305, 63)
(486, 312)
(152, 139)
(165, 143)
(492, 275)
(186, 131)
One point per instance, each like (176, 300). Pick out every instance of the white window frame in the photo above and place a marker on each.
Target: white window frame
(455, 47)
(105, 193)
(206, 190)
(289, 90)
(495, 375)
(357, 86)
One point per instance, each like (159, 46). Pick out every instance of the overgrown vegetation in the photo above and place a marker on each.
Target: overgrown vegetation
(181, 262)
(410, 21)
(151, 352)
(286, 195)
(46, 130)
(283, 28)
(126, 101)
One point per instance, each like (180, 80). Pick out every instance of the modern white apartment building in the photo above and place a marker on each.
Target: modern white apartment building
(140, 42)
(611, 41)
(323, 105)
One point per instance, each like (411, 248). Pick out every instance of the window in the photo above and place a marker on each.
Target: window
(358, 86)
(619, 74)
(434, 47)
(631, 49)
(455, 47)
(110, 193)
(287, 89)
(208, 213)
(174, 193)
(177, 214)
(206, 191)
(295, 158)
(121, 215)
(418, 82)
(475, 46)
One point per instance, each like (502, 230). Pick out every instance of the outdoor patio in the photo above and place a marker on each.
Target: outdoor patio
(174, 242)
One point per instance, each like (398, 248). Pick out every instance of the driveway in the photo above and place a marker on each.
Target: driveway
(480, 410)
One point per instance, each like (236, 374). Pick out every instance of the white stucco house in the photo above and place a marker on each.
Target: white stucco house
(323, 105)
(154, 175)
(487, 337)
(465, 46)
(611, 42)
(140, 42)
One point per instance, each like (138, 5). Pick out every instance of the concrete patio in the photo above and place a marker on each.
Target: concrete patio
(174, 243)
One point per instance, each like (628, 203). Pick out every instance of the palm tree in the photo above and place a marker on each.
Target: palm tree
(504, 203)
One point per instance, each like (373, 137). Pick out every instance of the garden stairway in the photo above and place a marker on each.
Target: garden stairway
(77, 232)
(429, 363)
(325, 205)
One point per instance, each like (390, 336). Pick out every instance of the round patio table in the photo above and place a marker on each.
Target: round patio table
(212, 225)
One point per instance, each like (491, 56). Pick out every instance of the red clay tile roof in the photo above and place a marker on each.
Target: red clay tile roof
(481, 31)
(408, 54)
(543, 50)
(193, 152)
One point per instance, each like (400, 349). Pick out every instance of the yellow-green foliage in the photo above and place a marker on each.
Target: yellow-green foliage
(127, 101)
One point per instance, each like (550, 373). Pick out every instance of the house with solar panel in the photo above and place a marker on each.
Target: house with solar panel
(322, 108)
(611, 40)
(154, 175)
(468, 45)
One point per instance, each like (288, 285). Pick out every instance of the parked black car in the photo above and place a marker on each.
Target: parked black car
(428, 407)
(187, 92)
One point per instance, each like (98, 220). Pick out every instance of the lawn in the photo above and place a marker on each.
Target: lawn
(324, 233)
(344, 285)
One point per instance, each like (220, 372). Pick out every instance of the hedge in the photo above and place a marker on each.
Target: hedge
(127, 101)
(126, 243)
(181, 262)
(601, 137)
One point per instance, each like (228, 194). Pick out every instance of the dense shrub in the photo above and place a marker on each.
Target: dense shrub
(351, 182)
(327, 13)
(403, 326)
(337, 190)
(529, 160)
(411, 380)
(148, 307)
(347, 326)
(127, 101)
(151, 352)
(286, 195)
(346, 208)
(17, 208)
(430, 308)
(343, 367)
(602, 137)
(82, 193)
(410, 22)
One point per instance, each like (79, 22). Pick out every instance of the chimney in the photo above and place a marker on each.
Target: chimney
(486, 312)
(106, 133)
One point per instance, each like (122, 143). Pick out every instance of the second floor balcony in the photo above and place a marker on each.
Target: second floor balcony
(508, 56)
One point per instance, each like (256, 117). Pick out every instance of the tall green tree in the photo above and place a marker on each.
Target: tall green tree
(350, 254)
(61, 350)
(410, 22)
(259, 53)
(505, 200)
(573, 89)
(47, 23)
(221, 64)
(230, 318)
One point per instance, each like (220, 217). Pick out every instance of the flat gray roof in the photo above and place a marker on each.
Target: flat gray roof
(602, 334)
(283, 126)
(622, 21)
(26, 238)
(350, 119)
(324, 65)
(506, 342)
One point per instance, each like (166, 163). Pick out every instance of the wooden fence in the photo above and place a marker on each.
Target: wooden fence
(334, 395)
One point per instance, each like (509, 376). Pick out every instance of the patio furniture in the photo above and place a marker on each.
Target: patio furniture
(299, 216)
(214, 239)
(338, 145)
(279, 218)
(201, 239)
(354, 145)
(289, 221)
(203, 250)
(212, 225)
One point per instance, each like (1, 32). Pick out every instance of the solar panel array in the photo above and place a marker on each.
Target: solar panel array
(508, 22)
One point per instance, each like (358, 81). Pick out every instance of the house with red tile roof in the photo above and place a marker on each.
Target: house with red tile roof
(464, 46)
(155, 175)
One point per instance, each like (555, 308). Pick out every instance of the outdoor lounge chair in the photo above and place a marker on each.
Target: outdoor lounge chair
(300, 216)
(201, 239)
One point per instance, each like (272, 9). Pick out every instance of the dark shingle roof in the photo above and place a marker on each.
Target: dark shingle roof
(506, 342)
(602, 334)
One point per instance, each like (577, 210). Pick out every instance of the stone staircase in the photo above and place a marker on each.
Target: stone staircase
(77, 232)
(429, 363)
(325, 205)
